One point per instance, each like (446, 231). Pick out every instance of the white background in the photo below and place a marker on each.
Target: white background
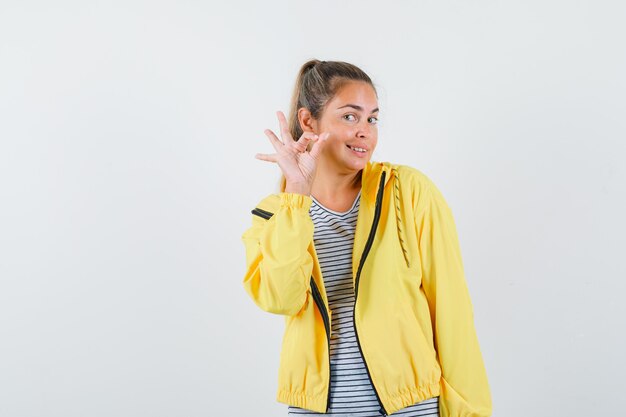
(127, 175)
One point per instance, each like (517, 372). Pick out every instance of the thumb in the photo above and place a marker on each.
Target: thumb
(318, 146)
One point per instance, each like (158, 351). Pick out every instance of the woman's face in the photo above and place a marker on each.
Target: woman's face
(351, 118)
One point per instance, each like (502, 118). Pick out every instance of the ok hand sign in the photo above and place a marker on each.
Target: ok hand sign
(297, 164)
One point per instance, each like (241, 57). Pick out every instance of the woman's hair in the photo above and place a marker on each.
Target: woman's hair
(316, 84)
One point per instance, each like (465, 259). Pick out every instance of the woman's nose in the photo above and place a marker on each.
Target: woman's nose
(365, 129)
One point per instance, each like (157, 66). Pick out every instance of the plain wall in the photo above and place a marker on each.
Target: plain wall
(127, 174)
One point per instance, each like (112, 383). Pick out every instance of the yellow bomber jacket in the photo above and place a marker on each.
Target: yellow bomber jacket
(413, 315)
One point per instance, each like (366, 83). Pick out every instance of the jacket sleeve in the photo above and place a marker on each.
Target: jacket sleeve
(278, 263)
(464, 387)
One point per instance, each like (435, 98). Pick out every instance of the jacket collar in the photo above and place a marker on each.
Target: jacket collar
(370, 178)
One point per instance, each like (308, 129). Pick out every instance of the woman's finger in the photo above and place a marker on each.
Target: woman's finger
(266, 157)
(276, 143)
(318, 146)
(304, 140)
(284, 127)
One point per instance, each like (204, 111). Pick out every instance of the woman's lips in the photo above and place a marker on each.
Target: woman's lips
(357, 153)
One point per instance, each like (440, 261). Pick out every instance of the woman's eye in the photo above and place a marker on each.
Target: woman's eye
(347, 116)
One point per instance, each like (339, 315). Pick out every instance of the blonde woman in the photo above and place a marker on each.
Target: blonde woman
(363, 261)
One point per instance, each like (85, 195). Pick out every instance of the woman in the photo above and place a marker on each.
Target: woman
(363, 261)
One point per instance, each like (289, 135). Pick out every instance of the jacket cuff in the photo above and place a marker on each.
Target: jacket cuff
(295, 200)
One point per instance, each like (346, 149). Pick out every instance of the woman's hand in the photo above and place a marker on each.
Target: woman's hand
(297, 164)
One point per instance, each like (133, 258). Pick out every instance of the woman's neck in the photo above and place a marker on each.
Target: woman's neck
(333, 186)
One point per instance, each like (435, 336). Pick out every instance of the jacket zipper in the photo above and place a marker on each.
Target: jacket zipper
(320, 305)
(317, 297)
(366, 250)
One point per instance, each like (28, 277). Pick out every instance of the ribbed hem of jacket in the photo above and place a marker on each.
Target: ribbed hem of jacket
(410, 396)
(313, 403)
(394, 402)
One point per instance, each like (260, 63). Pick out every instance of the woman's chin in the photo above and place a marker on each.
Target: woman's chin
(357, 165)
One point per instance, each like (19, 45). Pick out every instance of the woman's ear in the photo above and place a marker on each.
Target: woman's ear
(306, 120)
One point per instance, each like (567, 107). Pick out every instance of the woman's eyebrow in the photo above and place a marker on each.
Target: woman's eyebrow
(356, 107)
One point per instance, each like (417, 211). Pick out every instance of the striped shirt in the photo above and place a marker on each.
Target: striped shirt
(351, 392)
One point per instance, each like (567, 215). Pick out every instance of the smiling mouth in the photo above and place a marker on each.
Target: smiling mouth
(357, 149)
